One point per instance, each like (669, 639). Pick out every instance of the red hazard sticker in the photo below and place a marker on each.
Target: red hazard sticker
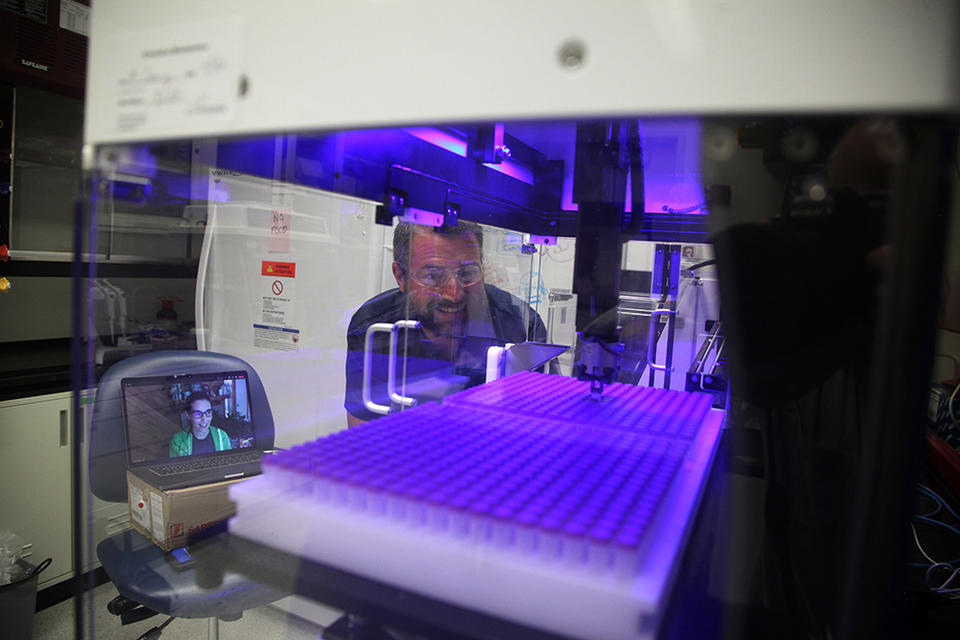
(281, 269)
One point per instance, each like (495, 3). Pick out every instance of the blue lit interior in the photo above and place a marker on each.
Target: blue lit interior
(522, 181)
(671, 166)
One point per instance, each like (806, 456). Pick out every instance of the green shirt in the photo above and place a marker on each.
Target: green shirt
(182, 443)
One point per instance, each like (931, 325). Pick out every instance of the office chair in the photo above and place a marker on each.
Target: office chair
(139, 570)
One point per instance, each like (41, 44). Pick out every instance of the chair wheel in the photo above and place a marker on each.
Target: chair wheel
(120, 604)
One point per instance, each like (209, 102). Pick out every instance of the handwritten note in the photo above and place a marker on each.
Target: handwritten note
(176, 79)
(279, 239)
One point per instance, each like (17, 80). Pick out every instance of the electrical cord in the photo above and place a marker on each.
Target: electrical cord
(936, 498)
(953, 395)
(944, 588)
(705, 263)
(937, 523)
(916, 539)
(935, 511)
(690, 209)
(155, 632)
(926, 518)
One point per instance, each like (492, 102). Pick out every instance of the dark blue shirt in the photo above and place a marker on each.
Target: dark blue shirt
(429, 376)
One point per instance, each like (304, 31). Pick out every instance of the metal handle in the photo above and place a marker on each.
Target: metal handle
(716, 362)
(652, 346)
(392, 329)
(200, 295)
(64, 428)
(403, 401)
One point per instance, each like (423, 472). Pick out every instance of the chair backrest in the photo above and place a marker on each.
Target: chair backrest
(108, 459)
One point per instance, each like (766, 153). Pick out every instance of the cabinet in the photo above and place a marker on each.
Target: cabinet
(36, 483)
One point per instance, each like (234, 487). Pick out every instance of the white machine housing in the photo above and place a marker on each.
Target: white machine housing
(181, 69)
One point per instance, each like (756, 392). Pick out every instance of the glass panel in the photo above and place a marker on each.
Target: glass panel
(768, 274)
(283, 267)
(556, 298)
(694, 301)
(462, 285)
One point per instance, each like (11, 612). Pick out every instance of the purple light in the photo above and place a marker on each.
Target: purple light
(456, 145)
(512, 169)
(566, 197)
(584, 506)
(545, 240)
(671, 165)
(671, 169)
(628, 198)
(440, 139)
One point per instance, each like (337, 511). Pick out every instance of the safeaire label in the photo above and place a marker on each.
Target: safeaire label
(280, 269)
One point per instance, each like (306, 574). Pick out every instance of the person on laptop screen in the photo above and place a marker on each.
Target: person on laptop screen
(203, 437)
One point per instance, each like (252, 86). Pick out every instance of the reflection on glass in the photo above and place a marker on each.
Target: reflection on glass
(441, 276)
(298, 263)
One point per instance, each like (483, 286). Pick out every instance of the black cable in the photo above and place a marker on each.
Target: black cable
(690, 209)
(701, 265)
(155, 632)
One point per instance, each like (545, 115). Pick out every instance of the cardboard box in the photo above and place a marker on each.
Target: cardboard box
(170, 517)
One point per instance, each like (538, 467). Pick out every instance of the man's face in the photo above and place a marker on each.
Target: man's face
(200, 415)
(447, 262)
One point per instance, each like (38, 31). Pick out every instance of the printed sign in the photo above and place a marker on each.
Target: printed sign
(75, 17)
(139, 511)
(278, 269)
(277, 301)
(276, 338)
(156, 507)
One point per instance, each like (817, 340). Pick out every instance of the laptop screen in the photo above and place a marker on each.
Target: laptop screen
(186, 415)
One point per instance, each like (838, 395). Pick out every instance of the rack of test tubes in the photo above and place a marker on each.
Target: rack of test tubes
(524, 498)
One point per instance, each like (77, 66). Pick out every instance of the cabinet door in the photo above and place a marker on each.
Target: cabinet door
(35, 479)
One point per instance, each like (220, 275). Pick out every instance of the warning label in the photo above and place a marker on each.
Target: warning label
(275, 310)
(278, 269)
(139, 511)
(276, 338)
(276, 305)
(277, 302)
(156, 509)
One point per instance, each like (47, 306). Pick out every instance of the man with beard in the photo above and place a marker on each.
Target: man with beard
(439, 276)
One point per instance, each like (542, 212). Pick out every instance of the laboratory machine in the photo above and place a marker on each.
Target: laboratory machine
(606, 321)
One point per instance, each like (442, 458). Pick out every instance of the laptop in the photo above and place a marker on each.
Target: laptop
(190, 429)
